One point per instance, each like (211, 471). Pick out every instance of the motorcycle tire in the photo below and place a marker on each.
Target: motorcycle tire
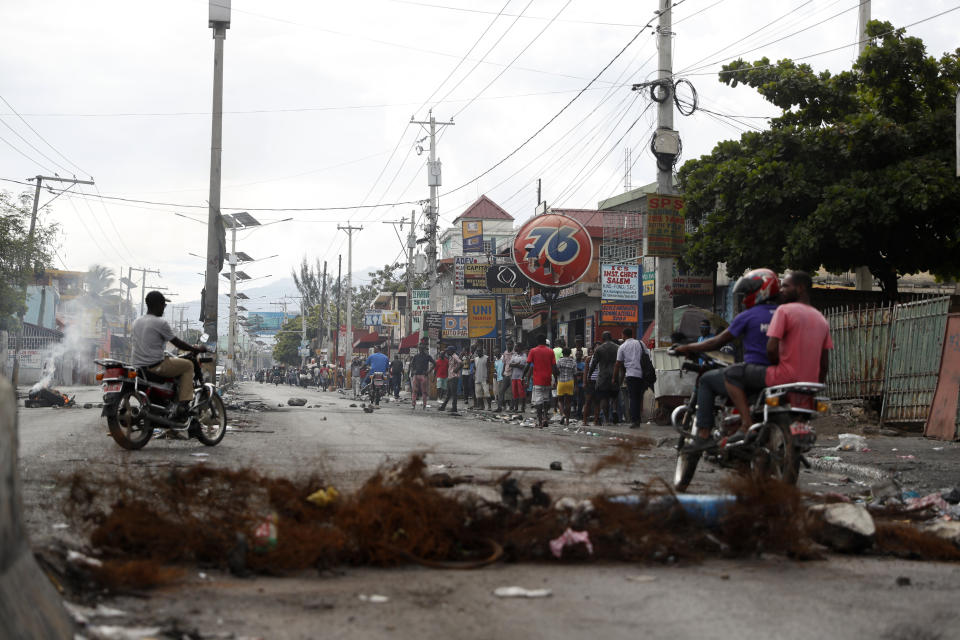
(687, 463)
(776, 456)
(212, 422)
(128, 431)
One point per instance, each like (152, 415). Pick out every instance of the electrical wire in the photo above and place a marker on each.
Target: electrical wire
(511, 15)
(37, 133)
(515, 58)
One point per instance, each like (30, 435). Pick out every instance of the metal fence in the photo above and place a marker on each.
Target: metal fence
(890, 352)
(913, 361)
(861, 338)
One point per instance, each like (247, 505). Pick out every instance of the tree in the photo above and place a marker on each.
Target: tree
(857, 170)
(17, 256)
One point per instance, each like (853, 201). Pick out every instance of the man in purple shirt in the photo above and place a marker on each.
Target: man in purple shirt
(760, 288)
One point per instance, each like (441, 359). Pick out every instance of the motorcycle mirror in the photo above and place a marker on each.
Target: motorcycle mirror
(204, 337)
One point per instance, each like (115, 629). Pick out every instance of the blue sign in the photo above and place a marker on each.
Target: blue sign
(265, 323)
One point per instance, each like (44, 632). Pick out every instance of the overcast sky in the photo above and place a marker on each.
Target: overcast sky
(318, 97)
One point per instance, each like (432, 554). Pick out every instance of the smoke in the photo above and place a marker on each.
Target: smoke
(74, 354)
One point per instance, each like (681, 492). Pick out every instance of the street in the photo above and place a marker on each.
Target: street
(761, 597)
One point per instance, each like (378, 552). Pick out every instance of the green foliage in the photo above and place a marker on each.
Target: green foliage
(17, 257)
(857, 170)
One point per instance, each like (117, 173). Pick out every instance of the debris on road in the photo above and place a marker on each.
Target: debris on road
(218, 517)
(323, 497)
(844, 527)
(852, 442)
(296, 402)
(47, 397)
(556, 465)
(570, 538)
(373, 598)
(520, 592)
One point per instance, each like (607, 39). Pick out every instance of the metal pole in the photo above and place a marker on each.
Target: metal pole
(323, 308)
(232, 329)
(15, 374)
(664, 266)
(213, 232)
(411, 243)
(349, 347)
(303, 332)
(862, 278)
(336, 339)
(143, 286)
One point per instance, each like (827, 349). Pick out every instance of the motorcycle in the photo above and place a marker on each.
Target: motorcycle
(774, 446)
(136, 401)
(377, 385)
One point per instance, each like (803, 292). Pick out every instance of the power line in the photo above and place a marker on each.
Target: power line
(37, 133)
(463, 59)
(511, 15)
(515, 58)
(17, 149)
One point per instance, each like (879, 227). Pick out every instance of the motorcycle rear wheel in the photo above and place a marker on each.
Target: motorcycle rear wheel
(128, 430)
(212, 422)
(686, 462)
(776, 456)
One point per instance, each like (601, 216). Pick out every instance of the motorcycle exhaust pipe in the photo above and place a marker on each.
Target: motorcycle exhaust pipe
(165, 421)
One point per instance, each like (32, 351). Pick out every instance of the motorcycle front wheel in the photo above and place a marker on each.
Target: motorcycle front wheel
(212, 421)
(128, 428)
(686, 462)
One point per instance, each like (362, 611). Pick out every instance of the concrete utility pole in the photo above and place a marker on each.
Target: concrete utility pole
(663, 303)
(349, 229)
(323, 308)
(434, 180)
(411, 245)
(862, 278)
(336, 339)
(18, 343)
(219, 22)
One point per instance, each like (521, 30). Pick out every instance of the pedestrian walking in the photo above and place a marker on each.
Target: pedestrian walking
(480, 385)
(517, 364)
(603, 362)
(567, 373)
(453, 379)
(629, 364)
(420, 368)
(503, 385)
(541, 369)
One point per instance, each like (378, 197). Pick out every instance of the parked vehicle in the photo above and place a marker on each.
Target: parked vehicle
(135, 402)
(782, 430)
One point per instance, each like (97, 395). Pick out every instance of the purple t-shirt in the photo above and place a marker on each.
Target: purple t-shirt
(752, 324)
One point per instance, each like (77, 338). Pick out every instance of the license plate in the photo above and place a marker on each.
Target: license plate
(800, 429)
(112, 387)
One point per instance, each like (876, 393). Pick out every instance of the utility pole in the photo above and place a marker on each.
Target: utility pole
(663, 303)
(862, 278)
(15, 374)
(323, 308)
(219, 22)
(411, 245)
(336, 339)
(434, 180)
(143, 282)
(349, 229)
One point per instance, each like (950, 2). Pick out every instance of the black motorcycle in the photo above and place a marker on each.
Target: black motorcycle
(135, 402)
(775, 444)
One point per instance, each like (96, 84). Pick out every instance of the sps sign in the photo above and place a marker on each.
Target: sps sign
(553, 250)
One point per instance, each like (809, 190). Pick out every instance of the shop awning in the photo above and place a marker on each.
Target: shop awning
(410, 341)
(366, 340)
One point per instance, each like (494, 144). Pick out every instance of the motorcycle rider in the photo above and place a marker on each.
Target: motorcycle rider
(798, 347)
(150, 334)
(760, 289)
(377, 363)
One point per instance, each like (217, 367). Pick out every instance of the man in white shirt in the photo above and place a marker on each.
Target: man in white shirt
(629, 362)
(150, 334)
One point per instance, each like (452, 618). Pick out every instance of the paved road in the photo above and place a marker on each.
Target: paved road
(767, 597)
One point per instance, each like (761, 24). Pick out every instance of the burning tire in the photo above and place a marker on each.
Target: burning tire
(127, 425)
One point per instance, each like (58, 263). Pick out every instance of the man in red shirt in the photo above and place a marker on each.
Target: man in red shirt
(798, 345)
(543, 362)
